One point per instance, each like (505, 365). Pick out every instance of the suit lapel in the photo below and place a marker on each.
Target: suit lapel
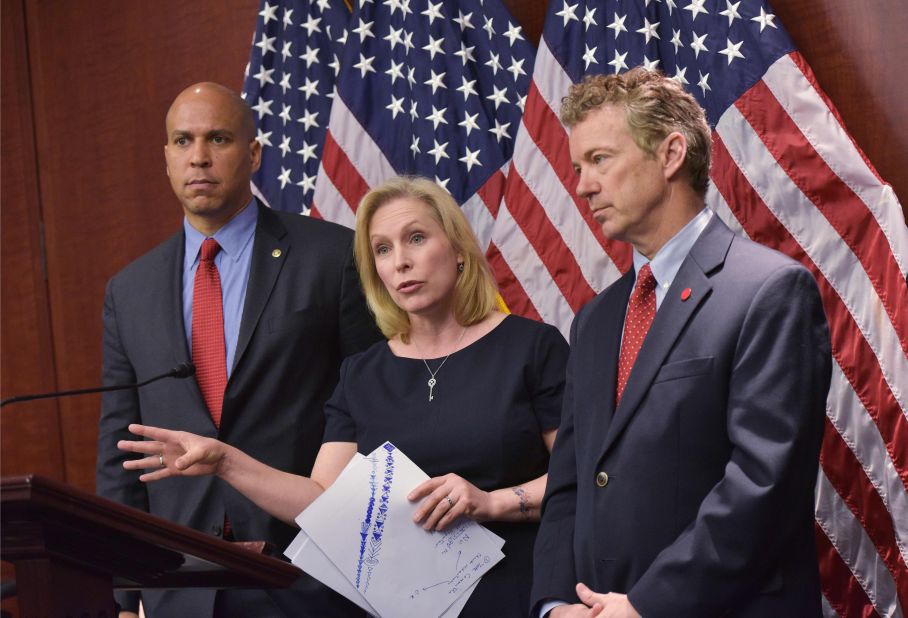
(606, 340)
(269, 252)
(707, 254)
(172, 299)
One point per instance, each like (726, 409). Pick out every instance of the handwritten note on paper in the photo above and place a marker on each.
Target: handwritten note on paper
(363, 525)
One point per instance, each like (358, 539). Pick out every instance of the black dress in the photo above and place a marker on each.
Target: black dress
(491, 403)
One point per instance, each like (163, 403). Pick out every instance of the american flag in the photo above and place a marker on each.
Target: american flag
(785, 173)
(429, 88)
(289, 84)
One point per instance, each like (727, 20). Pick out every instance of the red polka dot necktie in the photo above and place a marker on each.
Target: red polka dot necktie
(640, 313)
(209, 352)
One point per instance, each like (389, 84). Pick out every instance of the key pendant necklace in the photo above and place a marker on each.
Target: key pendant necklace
(432, 381)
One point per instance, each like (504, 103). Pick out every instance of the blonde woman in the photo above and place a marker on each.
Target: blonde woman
(471, 395)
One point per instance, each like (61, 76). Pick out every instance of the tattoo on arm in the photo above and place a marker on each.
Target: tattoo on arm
(524, 498)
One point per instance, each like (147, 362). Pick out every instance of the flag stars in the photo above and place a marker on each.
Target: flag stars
(488, 26)
(649, 30)
(288, 18)
(263, 138)
(465, 53)
(395, 72)
(498, 96)
(408, 41)
(309, 119)
(365, 65)
(307, 152)
(439, 151)
(765, 19)
(618, 24)
(414, 146)
(307, 183)
(266, 44)
(618, 62)
(494, 63)
(500, 131)
(650, 65)
(434, 46)
(323, 5)
(437, 117)
(442, 182)
(470, 159)
(513, 34)
(414, 115)
(284, 177)
(394, 37)
(467, 87)
(698, 45)
(411, 76)
(433, 12)
(516, 68)
(285, 114)
(696, 7)
(310, 56)
(310, 88)
(264, 76)
(311, 24)
(679, 75)
(396, 106)
(732, 50)
(469, 123)
(263, 108)
(285, 49)
(676, 39)
(567, 13)
(731, 12)
(589, 56)
(364, 30)
(704, 83)
(335, 65)
(464, 21)
(589, 18)
(285, 147)
(268, 13)
(436, 81)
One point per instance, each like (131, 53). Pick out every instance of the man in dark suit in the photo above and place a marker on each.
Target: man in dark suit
(681, 482)
(284, 309)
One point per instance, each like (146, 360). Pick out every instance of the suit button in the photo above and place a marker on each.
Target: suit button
(216, 530)
(602, 479)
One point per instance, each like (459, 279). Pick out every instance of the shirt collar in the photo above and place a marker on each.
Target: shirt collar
(667, 261)
(232, 237)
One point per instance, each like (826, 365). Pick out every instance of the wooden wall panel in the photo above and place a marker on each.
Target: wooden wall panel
(30, 431)
(103, 75)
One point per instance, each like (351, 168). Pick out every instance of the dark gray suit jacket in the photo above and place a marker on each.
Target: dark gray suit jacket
(303, 313)
(712, 454)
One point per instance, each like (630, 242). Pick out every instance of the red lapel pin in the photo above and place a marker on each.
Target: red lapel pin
(685, 294)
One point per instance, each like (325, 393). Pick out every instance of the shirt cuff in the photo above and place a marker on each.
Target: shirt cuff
(549, 606)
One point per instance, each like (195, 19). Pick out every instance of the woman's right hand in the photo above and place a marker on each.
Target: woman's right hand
(172, 453)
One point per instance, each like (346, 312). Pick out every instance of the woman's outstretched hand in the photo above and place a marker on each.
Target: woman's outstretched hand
(172, 453)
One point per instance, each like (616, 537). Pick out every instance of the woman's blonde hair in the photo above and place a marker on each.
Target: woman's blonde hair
(475, 292)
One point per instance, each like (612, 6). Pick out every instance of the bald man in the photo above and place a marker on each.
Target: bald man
(291, 309)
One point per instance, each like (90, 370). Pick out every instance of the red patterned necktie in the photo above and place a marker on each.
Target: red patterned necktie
(640, 313)
(209, 351)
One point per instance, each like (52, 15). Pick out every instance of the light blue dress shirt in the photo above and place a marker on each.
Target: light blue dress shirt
(664, 265)
(233, 262)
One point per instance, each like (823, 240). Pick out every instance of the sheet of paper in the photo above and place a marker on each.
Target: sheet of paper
(363, 525)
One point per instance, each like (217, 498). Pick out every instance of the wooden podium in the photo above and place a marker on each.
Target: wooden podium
(71, 549)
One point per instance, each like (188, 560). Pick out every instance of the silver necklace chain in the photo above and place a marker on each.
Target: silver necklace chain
(432, 381)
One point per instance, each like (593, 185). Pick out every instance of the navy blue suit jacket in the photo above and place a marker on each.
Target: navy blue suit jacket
(303, 313)
(712, 455)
